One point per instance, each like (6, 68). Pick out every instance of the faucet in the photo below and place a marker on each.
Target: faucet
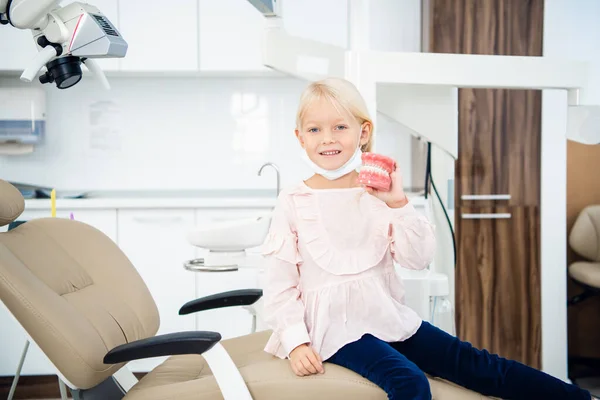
(270, 164)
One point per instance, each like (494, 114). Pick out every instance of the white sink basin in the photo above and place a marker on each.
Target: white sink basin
(231, 236)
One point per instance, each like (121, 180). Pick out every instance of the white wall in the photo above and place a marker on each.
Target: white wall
(571, 31)
(174, 134)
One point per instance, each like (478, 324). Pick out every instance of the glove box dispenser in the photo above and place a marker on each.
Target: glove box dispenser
(22, 119)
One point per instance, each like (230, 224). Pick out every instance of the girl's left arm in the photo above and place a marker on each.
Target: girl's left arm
(413, 237)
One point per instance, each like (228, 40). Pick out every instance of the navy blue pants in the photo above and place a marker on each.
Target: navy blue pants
(398, 368)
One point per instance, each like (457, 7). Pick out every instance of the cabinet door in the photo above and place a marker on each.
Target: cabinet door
(12, 335)
(498, 300)
(103, 220)
(154, 241)
(324, 21)
(17, 48)
(499, 146)
(161, 36)
(12, 342)
(229, 322)
(395, 25)
(230, 36)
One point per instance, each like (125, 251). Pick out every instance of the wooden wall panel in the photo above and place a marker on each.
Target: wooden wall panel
(498, 302)
(499, 145)
(498, 283)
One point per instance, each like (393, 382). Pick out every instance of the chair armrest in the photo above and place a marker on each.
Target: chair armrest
(243, 297)
(193, 342)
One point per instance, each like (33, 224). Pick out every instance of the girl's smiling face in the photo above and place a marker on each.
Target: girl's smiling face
(329, 135)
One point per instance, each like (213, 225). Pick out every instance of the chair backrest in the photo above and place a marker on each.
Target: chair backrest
(584, 238)
(73, 290)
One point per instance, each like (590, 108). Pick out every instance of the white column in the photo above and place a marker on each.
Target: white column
(570, 31)
(358, 25)
(356, 65)
(553, 233)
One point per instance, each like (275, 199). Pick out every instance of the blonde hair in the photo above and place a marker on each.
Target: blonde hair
(342, 94)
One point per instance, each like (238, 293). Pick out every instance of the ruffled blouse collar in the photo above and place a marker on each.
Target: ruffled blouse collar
(314, 236)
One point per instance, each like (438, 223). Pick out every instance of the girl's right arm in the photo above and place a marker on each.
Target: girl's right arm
(283, 309)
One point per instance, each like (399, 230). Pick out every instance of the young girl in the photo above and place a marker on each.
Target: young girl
(331, 291)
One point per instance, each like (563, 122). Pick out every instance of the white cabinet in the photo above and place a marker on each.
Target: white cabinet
(162, 36)
(324, 21)
(231, 30)
(194, 35)
(155, 242)
(230, 36)
(17, 48)
(232, 321)
(103, 220)
(395, 25)
(12, 341)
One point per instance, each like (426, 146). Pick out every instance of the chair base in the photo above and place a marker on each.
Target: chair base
(583, 367)
(107, 390)
(586, 294)
(588, 291)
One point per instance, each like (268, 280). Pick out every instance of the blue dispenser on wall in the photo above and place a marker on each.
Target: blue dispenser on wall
(22, 119)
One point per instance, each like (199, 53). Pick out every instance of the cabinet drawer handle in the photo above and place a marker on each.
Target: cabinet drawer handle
(486, 216)
(150, 220)
(485, 197)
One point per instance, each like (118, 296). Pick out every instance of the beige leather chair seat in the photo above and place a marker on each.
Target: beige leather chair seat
(587, 273)
(584, 239)
(78, 297)
(189, 377)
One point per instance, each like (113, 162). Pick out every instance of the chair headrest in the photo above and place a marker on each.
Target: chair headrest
(585, 234)
(12, 203)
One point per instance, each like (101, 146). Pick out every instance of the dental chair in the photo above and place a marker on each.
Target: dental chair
(82, 302)
(584, 239)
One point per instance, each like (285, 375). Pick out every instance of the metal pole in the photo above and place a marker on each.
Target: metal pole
(18, 372)
(63, 389)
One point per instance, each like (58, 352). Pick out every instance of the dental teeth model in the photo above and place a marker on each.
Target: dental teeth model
(375, 171)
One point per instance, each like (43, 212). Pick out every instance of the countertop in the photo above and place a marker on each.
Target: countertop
(162, 199)
(168, 199)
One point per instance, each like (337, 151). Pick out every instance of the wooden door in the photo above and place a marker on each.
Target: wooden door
(498, 280)
(499, 146)
(498, 305)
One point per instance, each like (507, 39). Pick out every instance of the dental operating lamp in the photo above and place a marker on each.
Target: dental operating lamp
(65, 38)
